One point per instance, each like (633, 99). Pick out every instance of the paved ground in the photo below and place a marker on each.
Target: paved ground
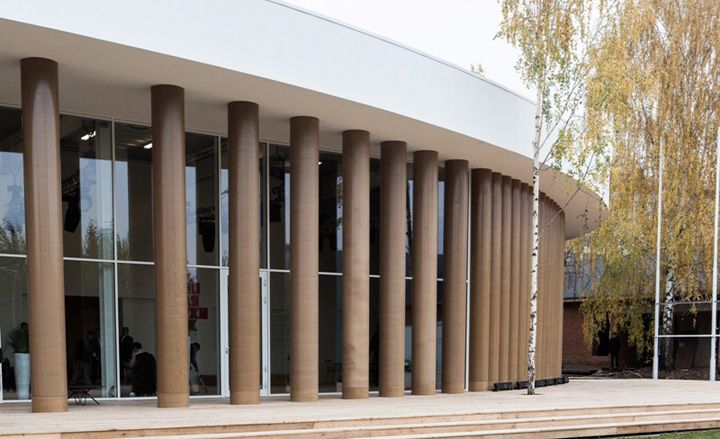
(579, 393)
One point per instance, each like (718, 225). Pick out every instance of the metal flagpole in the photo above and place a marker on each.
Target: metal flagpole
(713, 325)
(657, 264)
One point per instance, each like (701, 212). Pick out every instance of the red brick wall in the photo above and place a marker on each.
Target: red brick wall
(577, 354)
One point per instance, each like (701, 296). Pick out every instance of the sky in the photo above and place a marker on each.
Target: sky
(461, 32)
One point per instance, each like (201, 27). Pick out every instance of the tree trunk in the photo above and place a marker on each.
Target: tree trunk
(667, 319)
(532, 340)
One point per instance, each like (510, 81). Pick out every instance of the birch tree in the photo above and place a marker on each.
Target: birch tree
(554, 38)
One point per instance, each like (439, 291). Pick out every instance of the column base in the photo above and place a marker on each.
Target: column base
(392, 392)
(453, 388)
(355, 392)
(427, 389)
(303, 395)
(244, 397)
(173, 400)
(478, 386)
(49, 404)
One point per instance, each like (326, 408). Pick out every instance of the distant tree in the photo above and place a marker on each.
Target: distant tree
(477, 69)
(654, 84)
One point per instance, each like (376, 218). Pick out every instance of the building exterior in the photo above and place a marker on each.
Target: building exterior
(268, 202)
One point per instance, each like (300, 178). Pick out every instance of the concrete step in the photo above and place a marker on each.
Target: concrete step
(558, 425)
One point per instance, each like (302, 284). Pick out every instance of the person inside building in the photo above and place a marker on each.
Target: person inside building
(126, 351)
(144, 382)
(614, 350)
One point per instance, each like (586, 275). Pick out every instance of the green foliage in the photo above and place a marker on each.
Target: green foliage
(654, 82)
(19, 341)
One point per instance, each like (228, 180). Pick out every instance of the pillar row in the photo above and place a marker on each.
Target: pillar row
(424, 260)
(304, 219)
(244, 245)
(455, 287)
(393, 223)
(356, 263)
(44, 240)
(168, 137)
(480, 279)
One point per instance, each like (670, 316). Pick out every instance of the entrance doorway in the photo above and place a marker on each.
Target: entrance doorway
(264, 335)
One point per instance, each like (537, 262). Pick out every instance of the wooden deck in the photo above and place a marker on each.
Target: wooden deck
(582, 407)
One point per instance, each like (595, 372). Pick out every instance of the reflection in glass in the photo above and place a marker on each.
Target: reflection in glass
(133, 192)
(203, 326)
(225, 208)
(86, 182)
(13, 312)
(90, 326)
(201, 188)
(279, 206)
(330, 212)
(136, 312)
(12, 203)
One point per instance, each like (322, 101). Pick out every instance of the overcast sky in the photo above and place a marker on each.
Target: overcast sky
(459, 31)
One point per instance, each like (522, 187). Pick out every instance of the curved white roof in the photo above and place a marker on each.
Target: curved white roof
(291, 62)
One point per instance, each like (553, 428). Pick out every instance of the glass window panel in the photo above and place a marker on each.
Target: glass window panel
(201, 195)
(86, 182)
(280, 332)
(204, 327)
(13, 312)
(279, 205)
(133, 192)
(12, 203)
(90, 326)
(374, 216)
(330, 333)
(374, 351)
(224, 207)
(136, 312)
(440, 219)
(330, 212)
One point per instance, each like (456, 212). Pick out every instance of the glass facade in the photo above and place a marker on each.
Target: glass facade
(106, 170)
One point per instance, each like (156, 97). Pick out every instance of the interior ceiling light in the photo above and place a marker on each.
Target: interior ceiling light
(148, 145)
(88, 136)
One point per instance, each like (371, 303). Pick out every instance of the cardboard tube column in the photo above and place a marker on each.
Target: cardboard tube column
(454, 282)
(44, 240)
(495, 287)
(480, 249)
(561, 301)
(515, 262)
(505, 275)
(169, 230)
(525, 237)
(393, 221)
(304, 218)
(424, 260)
(356, 263)
(244, 246)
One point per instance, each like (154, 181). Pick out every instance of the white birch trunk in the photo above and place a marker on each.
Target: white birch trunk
(532, 340)
(668, 317)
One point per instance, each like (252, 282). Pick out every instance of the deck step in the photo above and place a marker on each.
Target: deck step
(558, 425)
